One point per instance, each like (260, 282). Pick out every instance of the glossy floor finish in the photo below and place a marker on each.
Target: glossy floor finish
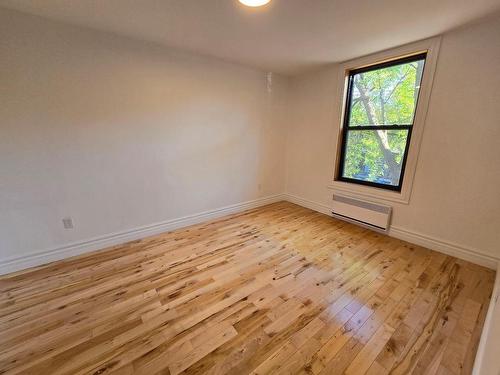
(279, 289)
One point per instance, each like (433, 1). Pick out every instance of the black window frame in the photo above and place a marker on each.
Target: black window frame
(347, 115)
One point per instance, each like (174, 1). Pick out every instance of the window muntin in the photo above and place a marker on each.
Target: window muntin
(379, 115)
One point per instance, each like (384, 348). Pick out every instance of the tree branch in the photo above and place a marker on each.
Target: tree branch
(382, 135)
(401, 79)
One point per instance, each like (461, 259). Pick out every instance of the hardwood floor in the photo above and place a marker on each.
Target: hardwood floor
(279, 289)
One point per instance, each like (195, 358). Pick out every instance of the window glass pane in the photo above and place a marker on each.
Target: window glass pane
(386, 96)
(375, 155)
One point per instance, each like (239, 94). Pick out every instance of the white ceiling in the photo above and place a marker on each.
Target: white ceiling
(286, 36)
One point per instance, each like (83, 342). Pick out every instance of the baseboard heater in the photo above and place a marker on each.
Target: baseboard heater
(367, 214)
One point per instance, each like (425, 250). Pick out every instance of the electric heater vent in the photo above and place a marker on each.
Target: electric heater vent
(367, 214)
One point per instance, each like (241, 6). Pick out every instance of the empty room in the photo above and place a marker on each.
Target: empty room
(249, 187)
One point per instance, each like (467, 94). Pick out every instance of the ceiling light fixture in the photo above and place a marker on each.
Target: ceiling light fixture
(254, 3)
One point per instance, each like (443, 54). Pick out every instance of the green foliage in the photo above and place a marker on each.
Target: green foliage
(384, 96)
(364, 156)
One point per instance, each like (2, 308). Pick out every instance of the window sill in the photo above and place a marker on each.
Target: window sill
(369, 192)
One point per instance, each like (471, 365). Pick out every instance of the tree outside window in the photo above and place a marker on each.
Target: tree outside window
(380, 111)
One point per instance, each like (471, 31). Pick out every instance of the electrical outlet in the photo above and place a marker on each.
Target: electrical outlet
(67, 223)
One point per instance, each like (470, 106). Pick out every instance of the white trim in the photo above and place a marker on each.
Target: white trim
(445, 247)
(366, 192)
(429, 242)
(431, 46)
(323, 208)
(488, 322)
(61, 252)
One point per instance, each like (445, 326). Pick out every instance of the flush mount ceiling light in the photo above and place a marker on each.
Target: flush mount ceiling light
(254, 3)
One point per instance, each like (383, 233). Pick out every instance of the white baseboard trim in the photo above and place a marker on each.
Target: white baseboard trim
(77, 248)
(485, 340)
(323, 208)
(432, 243)
(39, 258)
(445, 247)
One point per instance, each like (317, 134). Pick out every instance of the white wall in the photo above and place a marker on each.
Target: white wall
(487, 358)
(455, 196)
(118, 134)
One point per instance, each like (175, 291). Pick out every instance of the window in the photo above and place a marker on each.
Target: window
(378, 122)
